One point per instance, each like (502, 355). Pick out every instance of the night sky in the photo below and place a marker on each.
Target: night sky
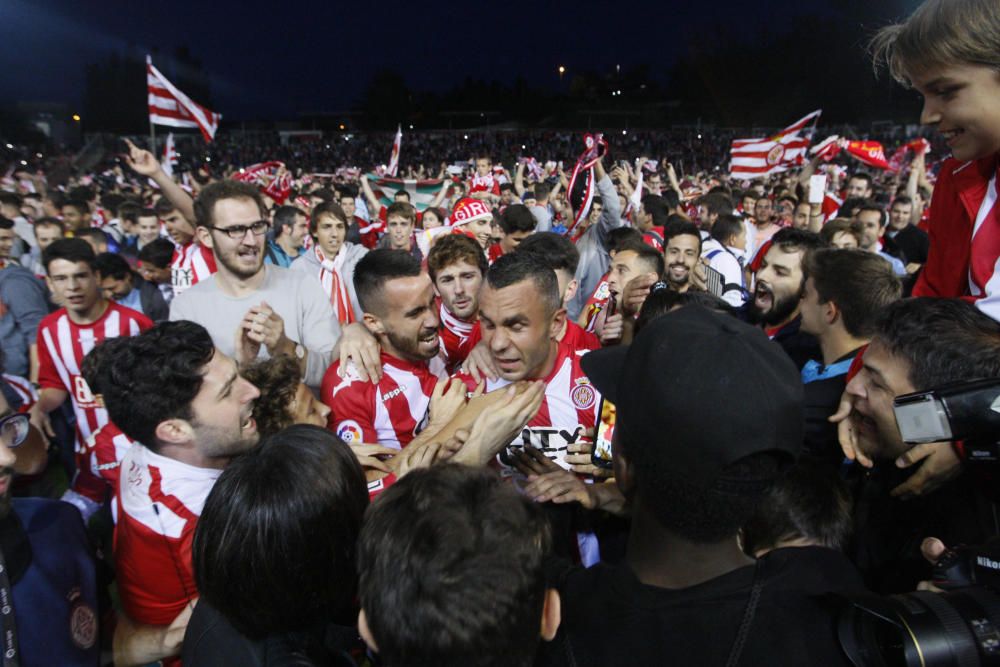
(277, 58)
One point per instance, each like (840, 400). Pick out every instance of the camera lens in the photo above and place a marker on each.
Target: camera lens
(958, 628)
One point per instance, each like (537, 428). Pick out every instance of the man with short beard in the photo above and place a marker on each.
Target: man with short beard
(399, 307)
(250, 308)
(680, 255)
(188, 411)
(457, 266)
(778, 292)
(48, 578)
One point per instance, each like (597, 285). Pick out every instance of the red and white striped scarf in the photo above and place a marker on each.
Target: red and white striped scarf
(334, 285)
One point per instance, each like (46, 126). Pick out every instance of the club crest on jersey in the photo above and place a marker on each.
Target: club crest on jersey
(583, 394)
(603, 291)
(349, 431)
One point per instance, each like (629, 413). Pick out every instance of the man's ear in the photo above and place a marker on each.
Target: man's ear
(174, 432)
(551, 614)
(365, 631)
(204, 236)
(571, 288)
(831, 313)
(374, 324)
(558, 324)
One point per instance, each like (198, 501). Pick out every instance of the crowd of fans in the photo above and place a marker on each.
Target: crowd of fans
(558, 411)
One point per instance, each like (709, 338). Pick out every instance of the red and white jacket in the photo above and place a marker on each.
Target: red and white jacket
(390, 413)
(105, 451)
(159, 502)
(191, 264)
(62, 345)
(964, 256)
(568, 409)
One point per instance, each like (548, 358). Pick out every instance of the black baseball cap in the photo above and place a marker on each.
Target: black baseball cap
(707, 386)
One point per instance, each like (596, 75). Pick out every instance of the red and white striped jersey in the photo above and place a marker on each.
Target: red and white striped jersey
(597, 302)
(191, 263)
(458, 336)
(568, 409)
(105, 451)
(62, 345)
(578, 339)
(22, 387)
(390, 413)
(159, 502)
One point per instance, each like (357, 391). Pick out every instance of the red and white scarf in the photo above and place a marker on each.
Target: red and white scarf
(334, 285)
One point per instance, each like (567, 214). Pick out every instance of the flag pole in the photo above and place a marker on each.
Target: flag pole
(152, 137)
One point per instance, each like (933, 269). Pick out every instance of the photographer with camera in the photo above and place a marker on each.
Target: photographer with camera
(920, 344)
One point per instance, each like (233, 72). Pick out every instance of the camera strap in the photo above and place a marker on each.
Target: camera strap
(9, 639)
(748, 615)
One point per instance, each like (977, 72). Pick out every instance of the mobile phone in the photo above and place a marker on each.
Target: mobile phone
(715, 282)
(817, 188)
(605, 428)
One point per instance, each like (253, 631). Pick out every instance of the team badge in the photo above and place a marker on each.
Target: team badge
(775, 154)
(603, 291)
(349, 431)
(82, 622)
(583, 395)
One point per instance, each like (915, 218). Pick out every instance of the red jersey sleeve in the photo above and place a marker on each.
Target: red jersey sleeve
(351, 403)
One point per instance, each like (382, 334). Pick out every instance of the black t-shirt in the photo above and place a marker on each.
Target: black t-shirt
(610, 618)
(822, 398)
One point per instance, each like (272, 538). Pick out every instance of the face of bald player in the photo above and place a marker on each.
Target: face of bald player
(519, 330)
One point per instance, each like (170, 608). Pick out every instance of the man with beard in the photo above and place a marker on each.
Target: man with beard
(252, 309)
(399, 307)
(48, 579)
(680, 255)
(189, 412)
(778, 292)
(457, 266)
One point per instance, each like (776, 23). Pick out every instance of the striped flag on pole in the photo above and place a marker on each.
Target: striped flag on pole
(169, 155)
(754, 158)
(394, 158)
(169, 106)
(422, 193)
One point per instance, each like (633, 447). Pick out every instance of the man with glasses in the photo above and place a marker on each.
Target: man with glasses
(47, 580)
(251, 309)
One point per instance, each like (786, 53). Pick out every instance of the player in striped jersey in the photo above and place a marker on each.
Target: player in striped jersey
(64, 338)
(399, 310)
(522, 315)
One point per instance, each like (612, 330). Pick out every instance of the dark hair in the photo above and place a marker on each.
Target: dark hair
(72, 250)
(451, 570)
(542, 190)
(620, 237)
(655, 206)
(809, 501)
(681, 229)
(283, 218)
(83, 193)
(864, 176)
(942, 340)
(520, 265)
(650, 258)
(330, 208)
(453, 248)
(158, 252)
(129, 211)
(155, 376)
(377, 268)
(274, 549)
(278, 380)
(717, 203)
(10, 198)
(902, 199)
(81, 206)
(662, 300)
(213, 193)
(92, 233)
(869, 205)
(671, 198)
(163, 207)
(517, 218)
(860, 283)
(838, 225)
(508, 186)
(850, 207)
(325, 194)
(555, 250)
(433, 210)
(790, 239)
(6, 223)
(727, 227)
(401, 193)
(403, 209)
(111, 265)
(49, 221)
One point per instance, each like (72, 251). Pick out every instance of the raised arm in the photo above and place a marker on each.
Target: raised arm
(145, 163)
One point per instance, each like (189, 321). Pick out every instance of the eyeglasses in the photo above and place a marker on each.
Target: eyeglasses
(237, 232)
(14, 429)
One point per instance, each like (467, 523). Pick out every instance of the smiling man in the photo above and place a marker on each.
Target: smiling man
(253, 309)
(680, 254)
(189, 412)
(948, 52)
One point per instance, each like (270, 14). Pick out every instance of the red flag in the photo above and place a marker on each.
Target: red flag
(169, 106)
(869, 152)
